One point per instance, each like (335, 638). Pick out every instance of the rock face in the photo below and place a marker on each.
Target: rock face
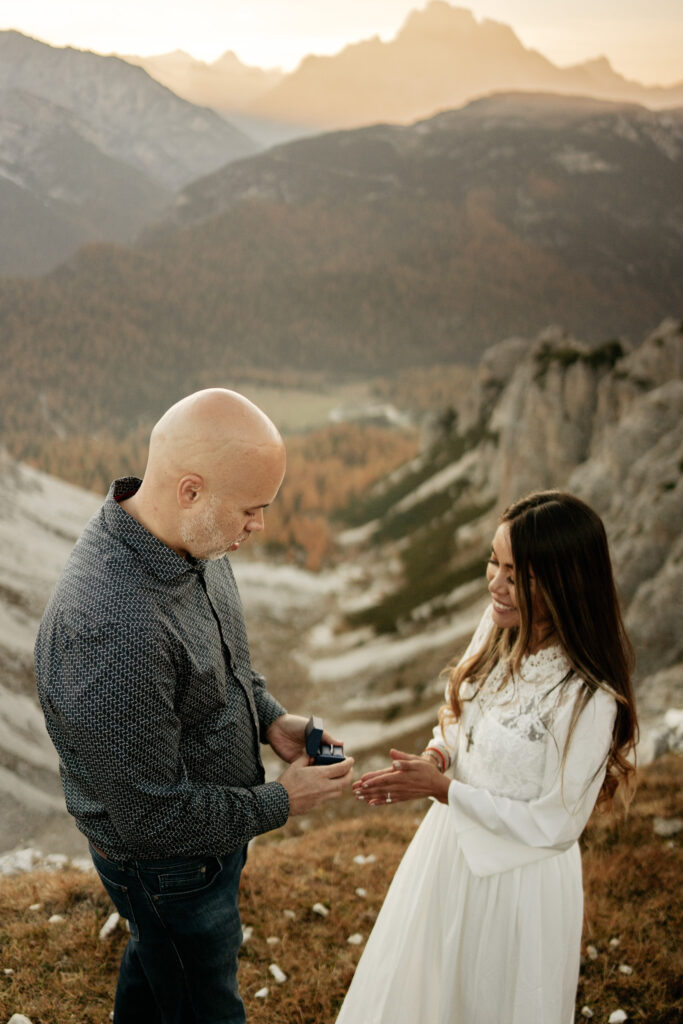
(605, 423)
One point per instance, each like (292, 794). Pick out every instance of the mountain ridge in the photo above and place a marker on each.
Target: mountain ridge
(449, 58)
(96, 147)
(362, 252)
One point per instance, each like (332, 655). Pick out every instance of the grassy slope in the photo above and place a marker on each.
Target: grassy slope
(63, 974)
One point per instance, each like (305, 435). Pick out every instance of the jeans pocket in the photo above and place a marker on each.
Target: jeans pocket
(120, 897)
(185, 879)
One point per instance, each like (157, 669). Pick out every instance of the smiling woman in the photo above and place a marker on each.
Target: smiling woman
(538, 726)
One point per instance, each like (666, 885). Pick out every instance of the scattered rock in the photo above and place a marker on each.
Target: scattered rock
(361, 892)
(56, 919)
(614, 943)
(666, 827)
(591, 952)
(82, 864)
(18, 1018)
(355, 939)
(586, 1011)
(18, 862)
(8, 971)
(618, 1017)
(319, 908)
(277, 973)
(625, 969)
(289, 914)
(36, 906)
(109, 926)
(247, 933)
(360, 859)
(56, 860)
(273, 940)
(262, 993)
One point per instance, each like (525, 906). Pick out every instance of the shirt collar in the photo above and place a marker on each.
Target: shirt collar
(163, 561)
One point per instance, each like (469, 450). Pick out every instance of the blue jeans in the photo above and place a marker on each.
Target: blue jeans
(180, 964)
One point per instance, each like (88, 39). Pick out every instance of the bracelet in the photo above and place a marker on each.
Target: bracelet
(440, 754)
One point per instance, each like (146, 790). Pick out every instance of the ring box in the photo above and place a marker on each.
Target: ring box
(322, 753)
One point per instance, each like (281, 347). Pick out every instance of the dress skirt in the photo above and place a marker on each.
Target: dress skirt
(450, 947)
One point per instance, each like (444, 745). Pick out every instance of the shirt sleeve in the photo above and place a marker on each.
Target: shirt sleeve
(557, 817)
(124, 739)
(439, 740)
(267, 706)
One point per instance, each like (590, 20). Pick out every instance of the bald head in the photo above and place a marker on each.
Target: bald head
(207, 432)
(215, 463)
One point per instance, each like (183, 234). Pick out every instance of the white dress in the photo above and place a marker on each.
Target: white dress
(482, 922)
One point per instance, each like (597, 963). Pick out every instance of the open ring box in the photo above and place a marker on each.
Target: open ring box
(322, 753)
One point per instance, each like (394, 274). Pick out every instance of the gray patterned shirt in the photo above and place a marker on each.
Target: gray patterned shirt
(143, 672)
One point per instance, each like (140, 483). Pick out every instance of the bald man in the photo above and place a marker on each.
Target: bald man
(144, 676)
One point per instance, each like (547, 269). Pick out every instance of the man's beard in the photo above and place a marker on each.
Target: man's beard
(202, 537)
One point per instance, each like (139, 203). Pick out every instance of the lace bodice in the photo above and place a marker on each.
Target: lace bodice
(521, 789)
(501, 741)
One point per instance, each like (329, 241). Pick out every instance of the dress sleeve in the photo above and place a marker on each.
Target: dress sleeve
(557, 817)
(439, 741)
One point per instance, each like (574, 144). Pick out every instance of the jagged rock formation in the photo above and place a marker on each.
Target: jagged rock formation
(605, 423)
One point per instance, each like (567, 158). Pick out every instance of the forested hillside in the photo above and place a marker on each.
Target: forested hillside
(358, 253)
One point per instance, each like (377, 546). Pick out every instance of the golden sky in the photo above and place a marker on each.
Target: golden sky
(643, 39)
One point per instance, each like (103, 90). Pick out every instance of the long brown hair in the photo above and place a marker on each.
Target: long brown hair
(562, 541)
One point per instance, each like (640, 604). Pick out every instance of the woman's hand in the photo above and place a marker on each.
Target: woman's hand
(409, 778)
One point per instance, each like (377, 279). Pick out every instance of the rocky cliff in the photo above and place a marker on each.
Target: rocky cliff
(603, 422)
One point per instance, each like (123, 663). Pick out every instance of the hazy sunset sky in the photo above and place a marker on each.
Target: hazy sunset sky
(643, 39)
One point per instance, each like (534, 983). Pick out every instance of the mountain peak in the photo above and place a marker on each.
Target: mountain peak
(438, 16)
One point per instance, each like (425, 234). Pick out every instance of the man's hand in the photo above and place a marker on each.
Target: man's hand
(308, 785)
(287, 737)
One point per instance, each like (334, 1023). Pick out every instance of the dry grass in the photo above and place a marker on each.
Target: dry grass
(63, 974)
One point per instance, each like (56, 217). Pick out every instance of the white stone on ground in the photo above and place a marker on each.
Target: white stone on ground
(109, 926)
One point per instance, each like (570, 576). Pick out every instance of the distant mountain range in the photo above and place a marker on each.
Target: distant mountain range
(441, 58)
(225, 84)
(92, 148)
(360, 252)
